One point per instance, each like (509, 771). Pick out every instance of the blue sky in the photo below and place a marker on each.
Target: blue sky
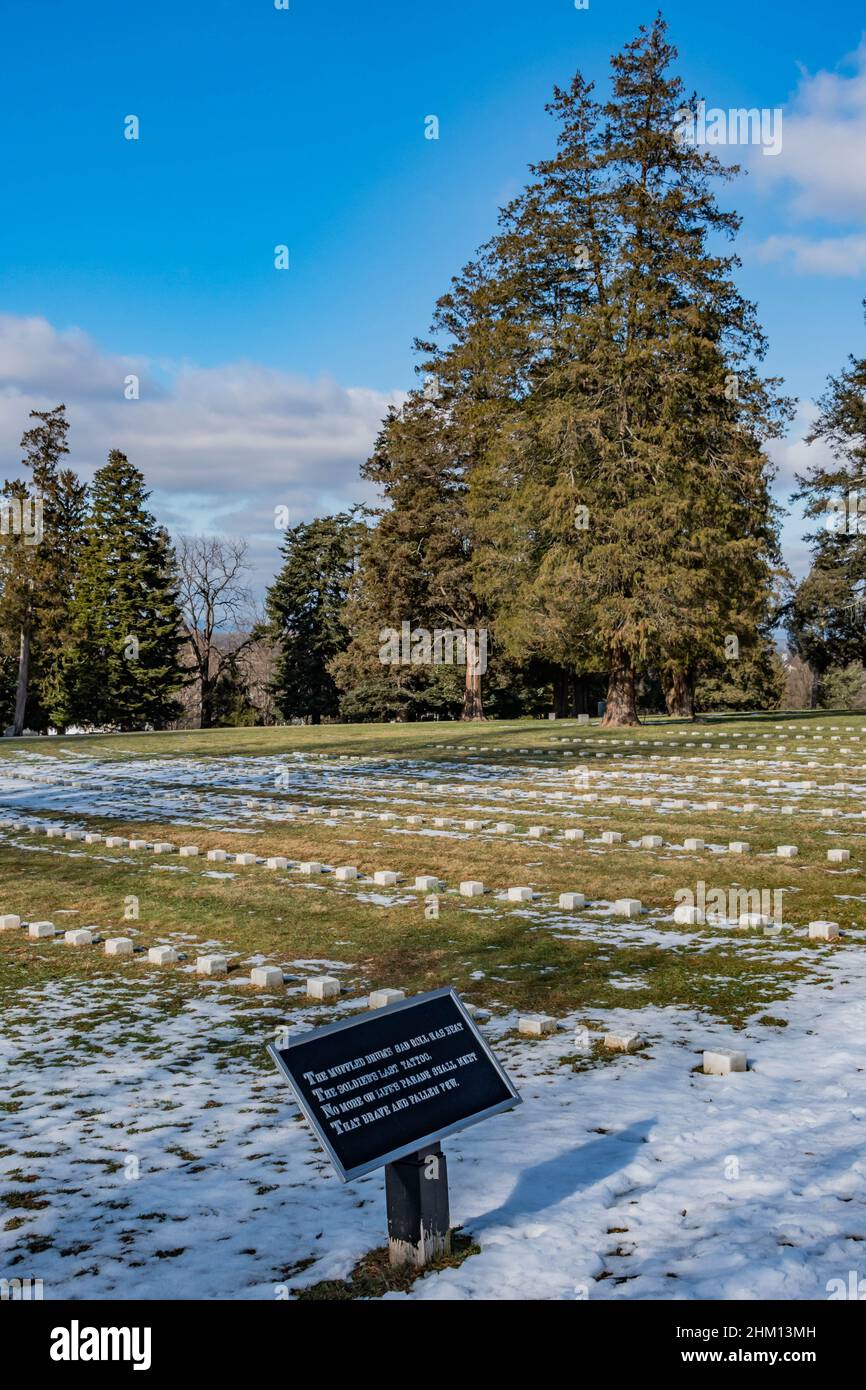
(261, 126)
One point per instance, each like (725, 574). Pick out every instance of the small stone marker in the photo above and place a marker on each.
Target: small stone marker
(722, 1063)
(686, 916)
(504, 827)
(611, 837)
(537, 831)
(162, 955)
(310, 866)
(80, 936)
(216, 966)
(471, 888)
(573, 834)
(536, 1025)
(753, 919)
(9, 922)
(838, 856)
(323, 987)
(693, 844)
(118, 946)
(473, 825)
(824, 931)
(138, 844)
(738, 847)
(623, 1042)
(115, 842)
(164, 847)
(384, 998)
(787, 851)
(266, 976)
(245, 859)
(91, 838)
(385, 878)
(188, 851)
(427, 883)
(277, 861)
(54, 832)
(345, 873)
(37, 930)
(628, 907)
(520, 895)
(651, 842)
(570, 901)
(217, 856)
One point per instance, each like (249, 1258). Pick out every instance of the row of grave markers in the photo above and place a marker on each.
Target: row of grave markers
(386, 877)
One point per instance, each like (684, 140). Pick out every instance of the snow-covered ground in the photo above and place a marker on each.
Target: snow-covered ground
(147, 1150)
(147, 1154)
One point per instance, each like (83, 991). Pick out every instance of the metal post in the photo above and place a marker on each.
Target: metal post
(416, 1195)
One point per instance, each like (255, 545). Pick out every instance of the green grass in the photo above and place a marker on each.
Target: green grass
(494, 954)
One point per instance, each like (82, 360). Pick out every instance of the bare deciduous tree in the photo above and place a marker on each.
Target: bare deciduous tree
(217, 609)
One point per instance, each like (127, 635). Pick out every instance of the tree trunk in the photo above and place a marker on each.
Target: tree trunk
(621, 692)
(560, 694)
(206, 710)
(678, 684)
(23, 680)
(472, 705)
(581, 695)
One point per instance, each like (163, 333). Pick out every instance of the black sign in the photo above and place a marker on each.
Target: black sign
(380, 1087)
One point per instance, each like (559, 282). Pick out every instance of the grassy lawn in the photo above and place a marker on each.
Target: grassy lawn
(497, 954)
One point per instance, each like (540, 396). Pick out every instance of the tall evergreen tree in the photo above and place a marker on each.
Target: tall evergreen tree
(827, 617)
(623, 515)
(38, 563)
(121, 666)
(305, 606)
(416, 566)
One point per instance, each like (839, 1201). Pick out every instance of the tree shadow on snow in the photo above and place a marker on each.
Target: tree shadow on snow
(547, 1184)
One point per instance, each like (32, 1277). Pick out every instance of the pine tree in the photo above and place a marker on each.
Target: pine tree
(38, 561)
(305, 610)
(827, 616)
(622, 517)
(415, 567)
(121, 666)
(68, 529)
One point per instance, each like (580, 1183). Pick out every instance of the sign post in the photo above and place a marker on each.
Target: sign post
(419, 1219)
(383, 1089)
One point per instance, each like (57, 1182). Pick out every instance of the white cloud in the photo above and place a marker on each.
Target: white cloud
(221, 447)
(826, 256)
(792, 455)
(822, 163)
